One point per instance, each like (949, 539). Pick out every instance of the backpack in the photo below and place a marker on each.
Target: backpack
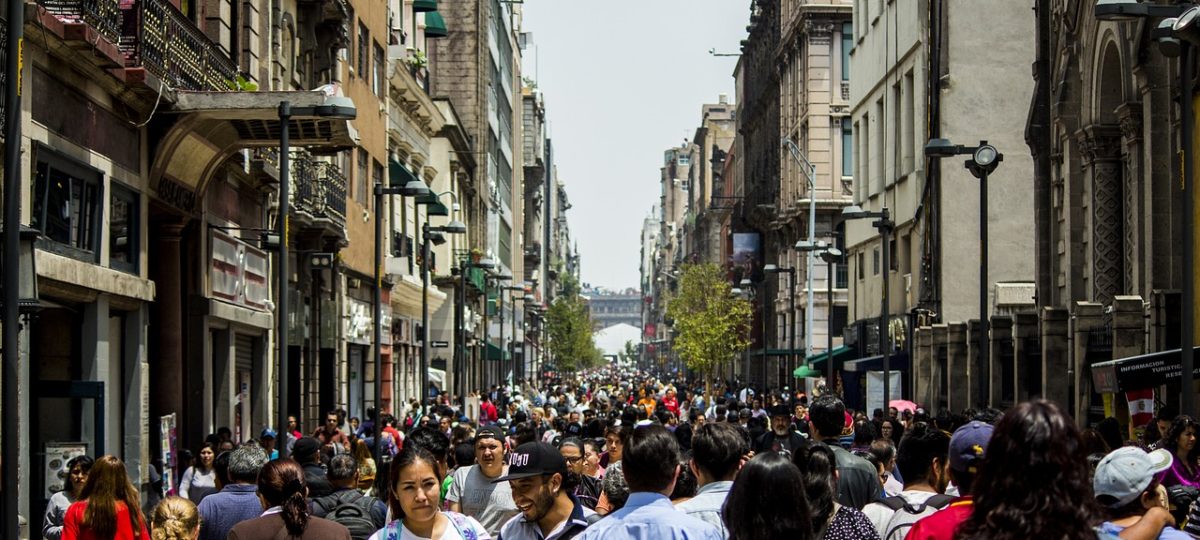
(352, 512)
(911, 512)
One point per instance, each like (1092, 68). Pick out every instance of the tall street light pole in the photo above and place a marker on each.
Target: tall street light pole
(883, 223)
(460, 359)
(1185, 31)
(810, 172)
(334, 108)
(427, 238)
(984, 159)
(830, 255)
(15, 379)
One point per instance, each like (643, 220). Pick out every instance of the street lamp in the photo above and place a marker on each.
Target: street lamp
(504, 276)
(884, 224)
(831, 256)
(511, 289)
(810, 172)
(791, 328)
(432, 234)
(1180, 39)
(333, 108)
(461, 315)
(984, 159)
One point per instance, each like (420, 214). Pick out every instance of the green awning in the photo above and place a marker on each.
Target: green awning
(477, 278)
(840, 354)
(494, 352)
(422, 6)
(438, 209)
(806, 371)
(399, 175)
(435, 25)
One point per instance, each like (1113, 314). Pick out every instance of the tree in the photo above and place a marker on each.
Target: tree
(569, 323)
(712, 326)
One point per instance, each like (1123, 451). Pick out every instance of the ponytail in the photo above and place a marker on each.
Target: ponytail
(295, 510)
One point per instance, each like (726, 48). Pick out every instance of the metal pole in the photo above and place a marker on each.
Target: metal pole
(460, 334)
(285, 180)
(482, 373)
(812, 231)
(829, 335)
(500, 317)
(13, 374)
(985, 375)
(885, 229)
(423, 378)
(765, 310)
(791, 369)
(513, 365)
(377, 323)
(1187, 335)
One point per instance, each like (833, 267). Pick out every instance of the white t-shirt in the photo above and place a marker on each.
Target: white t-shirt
(451, 533)
(492, 504)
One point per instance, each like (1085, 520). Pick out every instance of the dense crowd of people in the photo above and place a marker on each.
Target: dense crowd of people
(620, 454)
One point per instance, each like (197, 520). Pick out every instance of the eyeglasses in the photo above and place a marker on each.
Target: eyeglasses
(573, 460)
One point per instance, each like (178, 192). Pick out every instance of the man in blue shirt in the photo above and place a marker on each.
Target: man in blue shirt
(237, 501)
(717, 451)
(651, 465)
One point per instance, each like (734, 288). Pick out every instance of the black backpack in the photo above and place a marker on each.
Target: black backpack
(352, 510)
(900, 504)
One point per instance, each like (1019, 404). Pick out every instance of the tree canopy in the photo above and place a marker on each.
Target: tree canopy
(569, 323)
(711, 325)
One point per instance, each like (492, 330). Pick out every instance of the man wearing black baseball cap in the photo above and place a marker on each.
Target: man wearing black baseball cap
(541, 489)
(472, 489)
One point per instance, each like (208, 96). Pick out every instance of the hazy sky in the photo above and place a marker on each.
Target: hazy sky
(623, 81)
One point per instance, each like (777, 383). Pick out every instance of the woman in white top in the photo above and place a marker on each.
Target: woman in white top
(56, 511)
(415, 489)
(200, 479)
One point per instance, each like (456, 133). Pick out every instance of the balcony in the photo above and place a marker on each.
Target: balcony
(160, 40)
(318, 193)
(103, 16)
(333, 185)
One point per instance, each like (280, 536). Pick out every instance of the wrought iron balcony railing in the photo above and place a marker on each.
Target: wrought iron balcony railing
(102, 15)
(333, 185)
(156, 36)
(306, 194)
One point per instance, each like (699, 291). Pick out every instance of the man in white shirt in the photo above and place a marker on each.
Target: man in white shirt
(923, 461)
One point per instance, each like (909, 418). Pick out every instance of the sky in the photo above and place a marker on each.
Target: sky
(624, 80)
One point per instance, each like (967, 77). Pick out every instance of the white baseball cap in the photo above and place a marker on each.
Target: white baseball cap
(1126, 472)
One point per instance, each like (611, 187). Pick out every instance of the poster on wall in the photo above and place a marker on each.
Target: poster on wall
(747, 256)
(57, 456)
(167, 443)
(875, 389)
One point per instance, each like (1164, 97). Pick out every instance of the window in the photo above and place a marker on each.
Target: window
(898, 135)
(880, 156)
(909, 120)
(864, 161)
(847, 46)
(505, 243)
(684, 161)
(364, 39)
(380, 72)
(861, 265)
(847, 147)
(67, 207)
(360, 184)
(377, 173)
(875, 266)
(123, 237)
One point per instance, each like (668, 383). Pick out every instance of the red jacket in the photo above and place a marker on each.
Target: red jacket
(487, 412)
(73, 528)
(941, 524)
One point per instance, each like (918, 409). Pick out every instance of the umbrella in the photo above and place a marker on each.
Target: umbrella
(902, 405)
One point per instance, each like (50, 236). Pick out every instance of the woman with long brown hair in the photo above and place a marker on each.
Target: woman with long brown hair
(108, 506)
(282, 492)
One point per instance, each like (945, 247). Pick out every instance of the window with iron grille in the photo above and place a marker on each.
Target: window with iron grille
(380, 72)
(364, 40)
(360, 183)
(123, 229)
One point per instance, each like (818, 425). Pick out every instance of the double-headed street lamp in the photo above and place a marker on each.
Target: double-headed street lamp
(884, 224)
(511, 289)
(334, 108)
(460, 351)
(504, 276)
(430, 234)
(810, 173)
(984, 159)
(1177, 34)
(830, 255)
(791, 323)
(412, 187)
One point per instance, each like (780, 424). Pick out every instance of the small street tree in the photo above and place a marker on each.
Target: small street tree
(712, 326)
(569, 324)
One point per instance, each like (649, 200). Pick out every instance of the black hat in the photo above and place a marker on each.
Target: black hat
(305, 448)
(533, 459)
(490, 432)
(780, 410)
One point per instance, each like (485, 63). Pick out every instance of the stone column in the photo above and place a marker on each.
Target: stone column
(956, 364)
(1133, 199)
(1129, 339)
(1100, 146)
(1027, 356)
(940, 372)
(1056, 355)
(1002, 333)
(975, 394)
(923, 364)
(1088, 316)
(166, 370)
(96, 365)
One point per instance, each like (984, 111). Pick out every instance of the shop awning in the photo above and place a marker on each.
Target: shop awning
(897, 361)
(807, 371)
(495, 353)
(818, 360)
(398, 174)
(1138, 372)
